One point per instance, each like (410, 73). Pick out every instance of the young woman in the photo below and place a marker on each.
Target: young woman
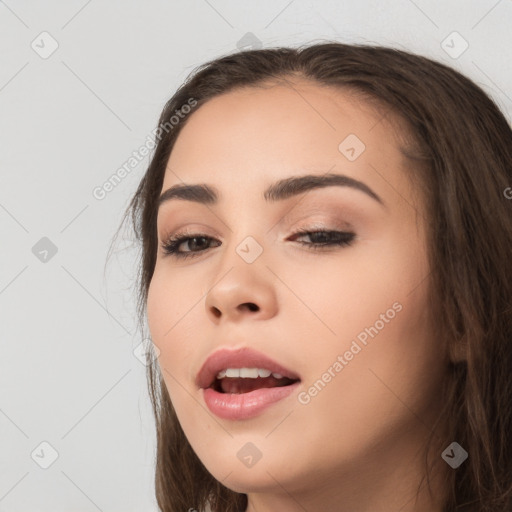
(326, 236)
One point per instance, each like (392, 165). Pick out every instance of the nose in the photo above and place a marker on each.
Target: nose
(243, 291)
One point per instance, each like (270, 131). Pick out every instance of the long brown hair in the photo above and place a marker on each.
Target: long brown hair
(461, 158)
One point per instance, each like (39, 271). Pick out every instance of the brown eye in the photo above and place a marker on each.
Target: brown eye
(172, 245)
(326, 238)
(198, 243)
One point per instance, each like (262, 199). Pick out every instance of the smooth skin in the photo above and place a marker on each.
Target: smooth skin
(356, 446)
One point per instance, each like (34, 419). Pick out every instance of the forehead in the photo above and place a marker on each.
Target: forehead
(256, 135)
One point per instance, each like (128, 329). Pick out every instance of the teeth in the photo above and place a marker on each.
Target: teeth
(247, 373)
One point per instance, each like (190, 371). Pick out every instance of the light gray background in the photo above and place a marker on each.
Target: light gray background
(68, 373)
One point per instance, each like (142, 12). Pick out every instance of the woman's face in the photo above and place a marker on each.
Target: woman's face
(349, 320)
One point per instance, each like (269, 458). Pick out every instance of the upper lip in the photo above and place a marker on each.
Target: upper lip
(238, 358)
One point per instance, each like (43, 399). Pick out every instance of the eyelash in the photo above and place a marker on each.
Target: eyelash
(171, 245)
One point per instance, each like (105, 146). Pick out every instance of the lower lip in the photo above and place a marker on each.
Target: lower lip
(242, 406)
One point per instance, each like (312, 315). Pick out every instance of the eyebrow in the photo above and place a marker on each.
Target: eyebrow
(283, 189)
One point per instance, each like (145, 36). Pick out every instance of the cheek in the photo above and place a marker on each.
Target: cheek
(389, 375)
(169, 313)
(340, 297)
(372, 307)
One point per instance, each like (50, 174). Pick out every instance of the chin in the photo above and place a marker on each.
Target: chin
(250, 482)
(263, 476)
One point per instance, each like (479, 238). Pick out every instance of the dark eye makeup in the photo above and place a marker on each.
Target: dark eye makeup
(326, 239)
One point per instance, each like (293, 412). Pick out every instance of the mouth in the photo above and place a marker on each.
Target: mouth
(241, 371)
(240, 385)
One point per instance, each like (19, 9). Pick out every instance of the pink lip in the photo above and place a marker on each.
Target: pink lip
(239, 358)
(239, 406)
(245, 405)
